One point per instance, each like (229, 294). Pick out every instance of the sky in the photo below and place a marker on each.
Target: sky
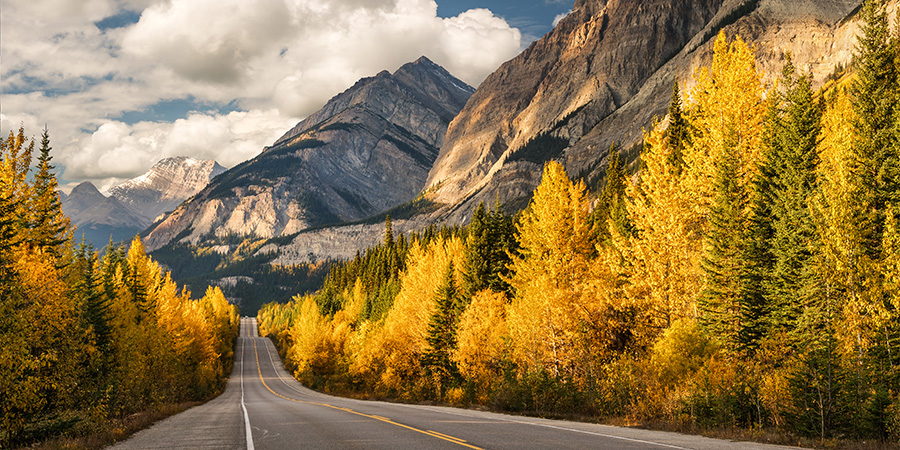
(122, 84)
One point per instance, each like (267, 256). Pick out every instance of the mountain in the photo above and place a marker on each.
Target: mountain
(133, 205)
(597, 79)
(368, 149)
(601, 76)
(168, 183)
(100, 218)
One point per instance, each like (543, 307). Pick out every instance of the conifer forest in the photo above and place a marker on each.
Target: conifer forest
(742, 273)
(87, 340)
(745, 273)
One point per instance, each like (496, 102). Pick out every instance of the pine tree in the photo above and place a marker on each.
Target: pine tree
(875, 97)
(723, 259)
(49, 226)
(89, 288)
(611, 209)
(476, 266)
(793, 181)
(677, 132)
(488, 245)
(441, 334)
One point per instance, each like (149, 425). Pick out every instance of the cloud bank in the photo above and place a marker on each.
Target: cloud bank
(252, 67)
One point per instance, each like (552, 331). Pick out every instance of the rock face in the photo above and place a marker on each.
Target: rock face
(368, 149)
(85, 205)
(99, 218)
(601, 76)
(168, 183)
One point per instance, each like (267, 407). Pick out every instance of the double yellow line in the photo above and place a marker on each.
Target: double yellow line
(431, 433)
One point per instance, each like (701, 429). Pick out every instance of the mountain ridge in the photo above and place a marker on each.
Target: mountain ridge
(368, 149)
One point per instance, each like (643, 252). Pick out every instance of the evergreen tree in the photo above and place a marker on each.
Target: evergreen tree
(875, 97)
(441, 333)
(611, 210)
(88, 288)
(793, 182)
(677, 133)
(488, 245)
(49, 226)
(723, 260)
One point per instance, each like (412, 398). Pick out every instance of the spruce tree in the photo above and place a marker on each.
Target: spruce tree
(723, 261)
(611, 208)
(49, 225)
(677, 133)
(875, 98)
(476, 265)
(441, 335)
(491, 238)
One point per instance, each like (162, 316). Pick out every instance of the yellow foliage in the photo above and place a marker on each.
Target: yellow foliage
(664, 254)
(726, 111)
(482, 339)
(548, 278)
(391, 352)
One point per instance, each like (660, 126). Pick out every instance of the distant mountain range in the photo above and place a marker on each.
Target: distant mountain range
(133, 205)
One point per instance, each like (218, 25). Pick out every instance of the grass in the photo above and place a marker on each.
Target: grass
(81, 433)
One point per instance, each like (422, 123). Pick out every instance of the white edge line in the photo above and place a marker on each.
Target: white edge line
(537, 424)
(574, 430)
(248, 432)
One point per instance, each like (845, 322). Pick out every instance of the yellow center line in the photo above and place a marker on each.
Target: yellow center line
(446, 436)
(435, 434)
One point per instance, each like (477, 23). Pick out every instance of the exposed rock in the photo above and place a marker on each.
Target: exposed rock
(166, 185)
(99, 218)
(370, 148)
(85, 205)
(601, 76)
(338, 242)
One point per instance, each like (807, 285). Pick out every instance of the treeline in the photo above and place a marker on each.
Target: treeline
(258, 281)
(747, 276)
(85, 340)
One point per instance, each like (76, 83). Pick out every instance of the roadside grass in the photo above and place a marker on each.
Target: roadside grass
(74, 431)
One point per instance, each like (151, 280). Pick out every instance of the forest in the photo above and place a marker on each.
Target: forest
(88, 342)
(747, 275)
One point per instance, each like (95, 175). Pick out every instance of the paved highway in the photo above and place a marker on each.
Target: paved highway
(263, 408)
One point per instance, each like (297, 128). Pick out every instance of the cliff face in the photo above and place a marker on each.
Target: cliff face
(367, 150)
(168, 183)
(601, 76)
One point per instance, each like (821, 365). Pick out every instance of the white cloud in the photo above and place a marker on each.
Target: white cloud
(560, 17)
(276, 60)
(121, 151)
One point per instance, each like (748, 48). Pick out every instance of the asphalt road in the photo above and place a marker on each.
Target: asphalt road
(263, 407)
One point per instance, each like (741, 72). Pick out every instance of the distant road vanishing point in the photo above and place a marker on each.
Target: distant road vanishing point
(263, 408)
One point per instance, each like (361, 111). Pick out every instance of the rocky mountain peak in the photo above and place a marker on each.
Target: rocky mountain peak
(600, 76)
(168, 183)
(368, 149)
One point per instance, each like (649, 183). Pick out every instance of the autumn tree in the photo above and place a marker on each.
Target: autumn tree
(555, 251)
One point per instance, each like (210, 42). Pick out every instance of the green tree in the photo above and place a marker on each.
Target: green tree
(723, 261)
(792, 170)
(677, 133)
(441, 334)
(875, 96)
(49, 226)
(489, 242)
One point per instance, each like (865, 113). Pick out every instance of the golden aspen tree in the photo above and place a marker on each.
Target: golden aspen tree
(482, 341)
(726, 113)
(547, 310)
(663, 257)
(391, 355)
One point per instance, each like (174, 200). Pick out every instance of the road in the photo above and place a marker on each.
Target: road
(263, 408)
